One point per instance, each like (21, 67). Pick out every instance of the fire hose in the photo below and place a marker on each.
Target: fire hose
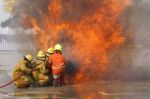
(13, 80)
(10, 82)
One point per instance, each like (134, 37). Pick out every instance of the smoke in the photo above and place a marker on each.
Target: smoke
(133, 58)
(124, 62)
(92, 23)
(22, 10)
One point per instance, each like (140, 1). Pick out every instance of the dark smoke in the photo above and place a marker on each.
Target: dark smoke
(122, 61)
(23, 9)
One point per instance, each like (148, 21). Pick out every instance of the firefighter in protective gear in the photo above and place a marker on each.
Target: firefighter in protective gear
(57, 61)
(23, 68)
(40, 71)
(49, 52)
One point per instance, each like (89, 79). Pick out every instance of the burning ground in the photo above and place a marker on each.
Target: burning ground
(89, 30)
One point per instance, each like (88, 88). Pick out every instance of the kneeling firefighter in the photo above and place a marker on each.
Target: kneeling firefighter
(23, 68)
(57, 61)
(40, 72)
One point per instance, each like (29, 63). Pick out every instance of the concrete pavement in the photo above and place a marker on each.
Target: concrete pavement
(93, 90)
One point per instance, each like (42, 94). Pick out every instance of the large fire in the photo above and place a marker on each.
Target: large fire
(88, 30)
(89, 38)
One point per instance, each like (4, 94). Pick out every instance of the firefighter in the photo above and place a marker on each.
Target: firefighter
(23, 68)
(49, 52)
(40, 71)
(57, 61)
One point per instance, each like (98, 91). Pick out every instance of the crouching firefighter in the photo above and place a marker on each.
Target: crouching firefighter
(40, 71)
(57, 61)
(22, 72)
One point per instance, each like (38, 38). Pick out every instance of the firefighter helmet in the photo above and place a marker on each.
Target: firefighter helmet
(29, 57)
(41, 54)
(58, 47)
(50, 50)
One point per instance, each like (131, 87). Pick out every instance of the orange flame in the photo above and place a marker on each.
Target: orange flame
(89, 38)
(55, 8)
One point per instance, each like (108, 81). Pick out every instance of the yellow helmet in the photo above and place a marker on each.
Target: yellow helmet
(41, 54)
(58, 47)
(29, 57)
(50, 50)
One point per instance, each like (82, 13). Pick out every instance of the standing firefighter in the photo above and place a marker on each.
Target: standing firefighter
(57, 61)
(40, 71)
(22, 72)
(49, 52)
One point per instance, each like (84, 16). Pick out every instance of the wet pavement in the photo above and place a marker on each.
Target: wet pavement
(93, 90)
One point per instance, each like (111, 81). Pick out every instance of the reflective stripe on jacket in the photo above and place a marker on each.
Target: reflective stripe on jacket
(58, 63)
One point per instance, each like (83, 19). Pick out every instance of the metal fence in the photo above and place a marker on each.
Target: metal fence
(16, 39)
